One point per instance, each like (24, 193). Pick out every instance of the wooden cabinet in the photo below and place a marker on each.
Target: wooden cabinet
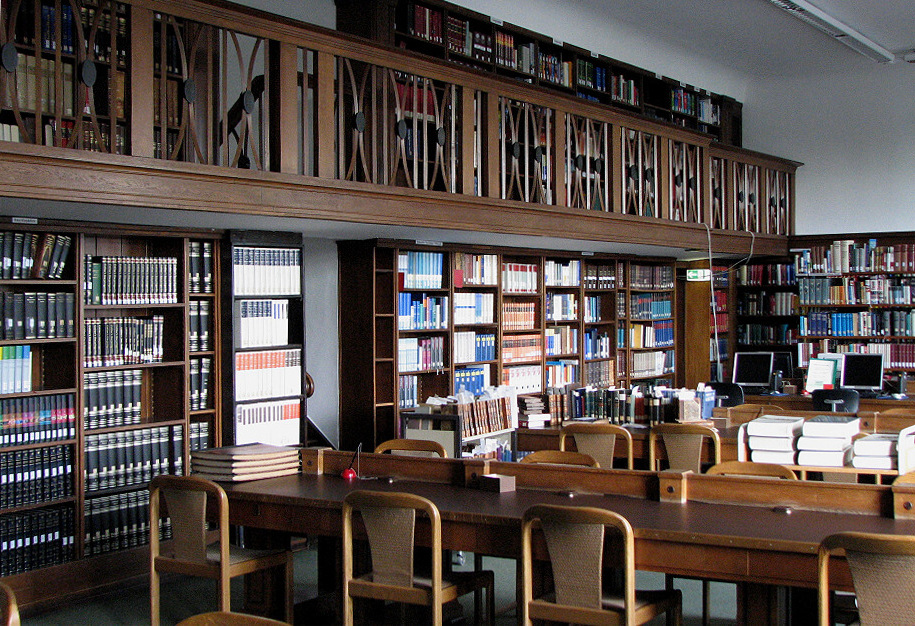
(436, 319)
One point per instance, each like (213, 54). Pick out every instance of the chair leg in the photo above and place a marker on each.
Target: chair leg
(706, 613)
(224, 592)
(289, 583)
(154, 597)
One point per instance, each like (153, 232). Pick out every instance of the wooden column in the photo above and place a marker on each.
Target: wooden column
(284, 81)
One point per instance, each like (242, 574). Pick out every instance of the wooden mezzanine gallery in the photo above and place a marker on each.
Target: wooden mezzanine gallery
(429, 228)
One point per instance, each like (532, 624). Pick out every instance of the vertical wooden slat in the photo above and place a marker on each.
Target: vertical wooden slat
(325, 141)
(284, 81)
(490, 163)
(141, 82)
(558, 159)
(615, 169)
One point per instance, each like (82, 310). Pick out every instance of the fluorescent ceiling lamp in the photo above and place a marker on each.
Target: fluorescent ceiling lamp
(826, 23)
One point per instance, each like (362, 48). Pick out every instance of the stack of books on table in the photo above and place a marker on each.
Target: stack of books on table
(250, 461)
(773, 438)
(826, 440)
(886, 451)
(533, 412)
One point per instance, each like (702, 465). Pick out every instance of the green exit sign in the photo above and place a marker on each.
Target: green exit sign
(699, 275)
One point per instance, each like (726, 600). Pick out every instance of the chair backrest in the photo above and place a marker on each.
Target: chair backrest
(9, 609)
(880, 566)
(390, 519)
(597, 441)
(412, 447)
(225, 618)
(560, 457)
(575, 542)
(839, 400)
(683, 443)
(186, 501)
(727, 394)
(749, 468)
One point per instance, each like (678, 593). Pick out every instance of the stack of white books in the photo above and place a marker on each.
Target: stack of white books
(886, 451)
(773, 438)
(826, 440)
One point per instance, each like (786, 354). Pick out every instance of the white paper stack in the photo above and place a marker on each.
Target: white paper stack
(773, 438)
(886, 451)
(826, 440)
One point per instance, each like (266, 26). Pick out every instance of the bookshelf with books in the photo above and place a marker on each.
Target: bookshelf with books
(856, 294)
(599, 322)
(646, 307)
(707, 342)
(767, 307)
(66, 75)
(203, 321)
(263, 340)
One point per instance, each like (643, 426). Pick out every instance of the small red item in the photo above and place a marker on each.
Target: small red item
(349, 474)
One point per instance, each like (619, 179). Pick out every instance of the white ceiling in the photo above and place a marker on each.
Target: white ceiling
(758, 39)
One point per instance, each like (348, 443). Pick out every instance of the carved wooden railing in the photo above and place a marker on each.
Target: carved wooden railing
(228, 87)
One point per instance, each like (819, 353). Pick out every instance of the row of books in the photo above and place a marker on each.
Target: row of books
(275, 422)
(420, 270)
(767, 303)
(423, 22)
(651, 276)
(562, 307)
(132, 457)
(15, 369)
(844, 256)
(259, 271)
(895, 355)
(37, 315)
(718, 322)
(718, 349)
(130, 280)
(474, 307)
(857, 290)
(594, 309)
(658, 334)
(117, 522)
(260, 323)
(767, 274)
(520, 277)
(475, 269)
(600, 373)
(600, 276)
(174, 106)
(95, 137)
(521, 348)
(598, 344)
(593, 402)
(112, 398)
(199, 435)
(113, 341)
(519, 57)
(166, 149)
(9, 132)
(708, 111)
(650, 306)
(562, 273)
(36, 80)
(519, 315)
(200, 266)
(524, 378)
(38, 538)
(420, 311)
(562, 372)
(860, 324)
(37, 419)
(268, 373)
(198, 326)
(34, 255)
(472, 379)
(199, 382)
(533, 413)
(682, 101)
(417, 354)
(658, 363)
(173, 51)
(552, 68)
(495, 410)
(470, 346)
(559, 340)
(407, 391)
(35, 475)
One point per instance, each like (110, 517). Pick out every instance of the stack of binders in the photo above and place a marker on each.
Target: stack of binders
(826, 440)
(244, 462)
(773, 438)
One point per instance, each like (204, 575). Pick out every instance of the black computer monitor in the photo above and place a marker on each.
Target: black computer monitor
(863, 371)
(783, 362)
(752, 369)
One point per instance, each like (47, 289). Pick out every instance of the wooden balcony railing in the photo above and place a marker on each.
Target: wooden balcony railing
(231, 88)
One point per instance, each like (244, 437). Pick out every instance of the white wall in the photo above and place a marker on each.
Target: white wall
(854, 133)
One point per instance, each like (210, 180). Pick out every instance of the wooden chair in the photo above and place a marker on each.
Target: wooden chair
(560, 457)
(749, 468)
(727, 394)
(597, 440)
(389, 519)
(575, 540)
(683, 443)
(223, 618)
(187, 499)
(882, 568)
(9, 609)
(412, 447)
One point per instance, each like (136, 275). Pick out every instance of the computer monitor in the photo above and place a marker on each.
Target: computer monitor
(783, 362)
(863, 371)
(839, 358)
(752, 369)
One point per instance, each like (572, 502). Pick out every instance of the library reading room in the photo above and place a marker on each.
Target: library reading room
(394, 312)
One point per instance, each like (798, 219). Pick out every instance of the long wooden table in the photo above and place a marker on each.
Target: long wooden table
(753, 531)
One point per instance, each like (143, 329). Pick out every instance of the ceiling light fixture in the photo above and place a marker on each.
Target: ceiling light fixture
(826, 23)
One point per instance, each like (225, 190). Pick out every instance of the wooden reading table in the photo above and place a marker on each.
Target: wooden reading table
(760, 533)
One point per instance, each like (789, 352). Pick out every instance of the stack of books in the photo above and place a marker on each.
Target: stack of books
(826, 440)
(773, 438)
(886, 451)
(533, 412)
(244, 462)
